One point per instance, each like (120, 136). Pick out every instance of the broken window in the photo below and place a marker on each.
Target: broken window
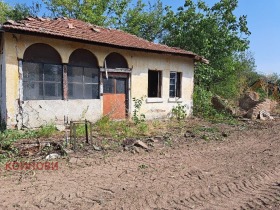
(154, 84)
(175, 85)
(42, 73)
(83, 75)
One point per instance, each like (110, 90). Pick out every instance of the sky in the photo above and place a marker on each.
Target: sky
(263, 21)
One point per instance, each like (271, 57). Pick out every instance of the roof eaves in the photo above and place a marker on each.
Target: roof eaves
(13, 26)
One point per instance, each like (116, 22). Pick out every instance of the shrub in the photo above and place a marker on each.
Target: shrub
(179, 112)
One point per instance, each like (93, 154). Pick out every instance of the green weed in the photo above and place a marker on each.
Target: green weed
(8, 137)
(137, 117)
(179, 112)
(143, 166)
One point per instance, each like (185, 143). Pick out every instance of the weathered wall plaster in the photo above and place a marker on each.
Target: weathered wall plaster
(158, 108)
(36, 113)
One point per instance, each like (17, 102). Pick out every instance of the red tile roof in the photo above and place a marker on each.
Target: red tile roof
(82, 31)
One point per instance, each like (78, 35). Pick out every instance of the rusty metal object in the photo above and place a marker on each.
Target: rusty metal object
(73, 132)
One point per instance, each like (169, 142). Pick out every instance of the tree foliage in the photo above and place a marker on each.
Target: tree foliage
(216, 33)
(4, 8)
(213, 32)
(145, 21)
(92, 11)
(18, 11)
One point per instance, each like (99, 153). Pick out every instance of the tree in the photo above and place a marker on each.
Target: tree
(17, 12)
(213, 32)
(145, 22)
(4, 8)
(142, 20)
(92, 11)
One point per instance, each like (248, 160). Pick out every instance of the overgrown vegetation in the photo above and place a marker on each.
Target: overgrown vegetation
(8, 137)
(120, 130)
(137, 117)
(179, 112)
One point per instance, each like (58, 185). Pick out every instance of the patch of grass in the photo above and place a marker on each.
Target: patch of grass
(80, 130)
(205, 129)
(46, 131)
(208, 133)
(143, 166)
(223, 118)
(120, 129)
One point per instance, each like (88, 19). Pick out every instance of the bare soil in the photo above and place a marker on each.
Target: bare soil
(238, 170)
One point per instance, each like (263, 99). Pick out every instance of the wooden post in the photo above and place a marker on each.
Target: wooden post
(74, 134)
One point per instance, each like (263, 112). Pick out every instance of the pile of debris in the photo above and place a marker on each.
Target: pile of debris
(250, 106)
(256, 108)
(48, 149)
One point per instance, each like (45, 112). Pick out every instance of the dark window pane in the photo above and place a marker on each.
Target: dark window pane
(52, 73)
(120, 86)
(41, 90)
(115, 60)
(172, 88)
(49, 89)
(52, 91)
(90, 75)
(172, 94)
(75, 91)
(109, 85)
(172, 75)
(41, 53)
(91, 91)
(31, 91)
(42, 81)
(172, 81)
(82, 57)
(31, 71)
(75, 74)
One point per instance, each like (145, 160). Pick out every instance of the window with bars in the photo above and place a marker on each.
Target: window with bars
(175, 85)
(42, 81)
(83, 82)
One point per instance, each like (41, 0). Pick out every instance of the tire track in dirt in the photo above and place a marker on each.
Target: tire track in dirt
(256, 192)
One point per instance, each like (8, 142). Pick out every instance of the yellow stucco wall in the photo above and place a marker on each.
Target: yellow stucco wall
(140, 62)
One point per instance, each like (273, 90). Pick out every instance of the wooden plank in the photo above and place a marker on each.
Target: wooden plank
(114, 105)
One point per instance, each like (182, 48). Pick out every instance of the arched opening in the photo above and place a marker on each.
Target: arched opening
(114, 61)
(83, 75)
(42, 73)
(115, 86)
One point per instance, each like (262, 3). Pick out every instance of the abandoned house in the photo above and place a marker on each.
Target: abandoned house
(57, 70)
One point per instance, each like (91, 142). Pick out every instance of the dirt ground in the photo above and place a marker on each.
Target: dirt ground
(240, 171)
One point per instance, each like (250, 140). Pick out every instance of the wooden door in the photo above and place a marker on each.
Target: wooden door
(115, 96)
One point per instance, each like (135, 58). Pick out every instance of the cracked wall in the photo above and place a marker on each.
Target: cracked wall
(40, 112)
